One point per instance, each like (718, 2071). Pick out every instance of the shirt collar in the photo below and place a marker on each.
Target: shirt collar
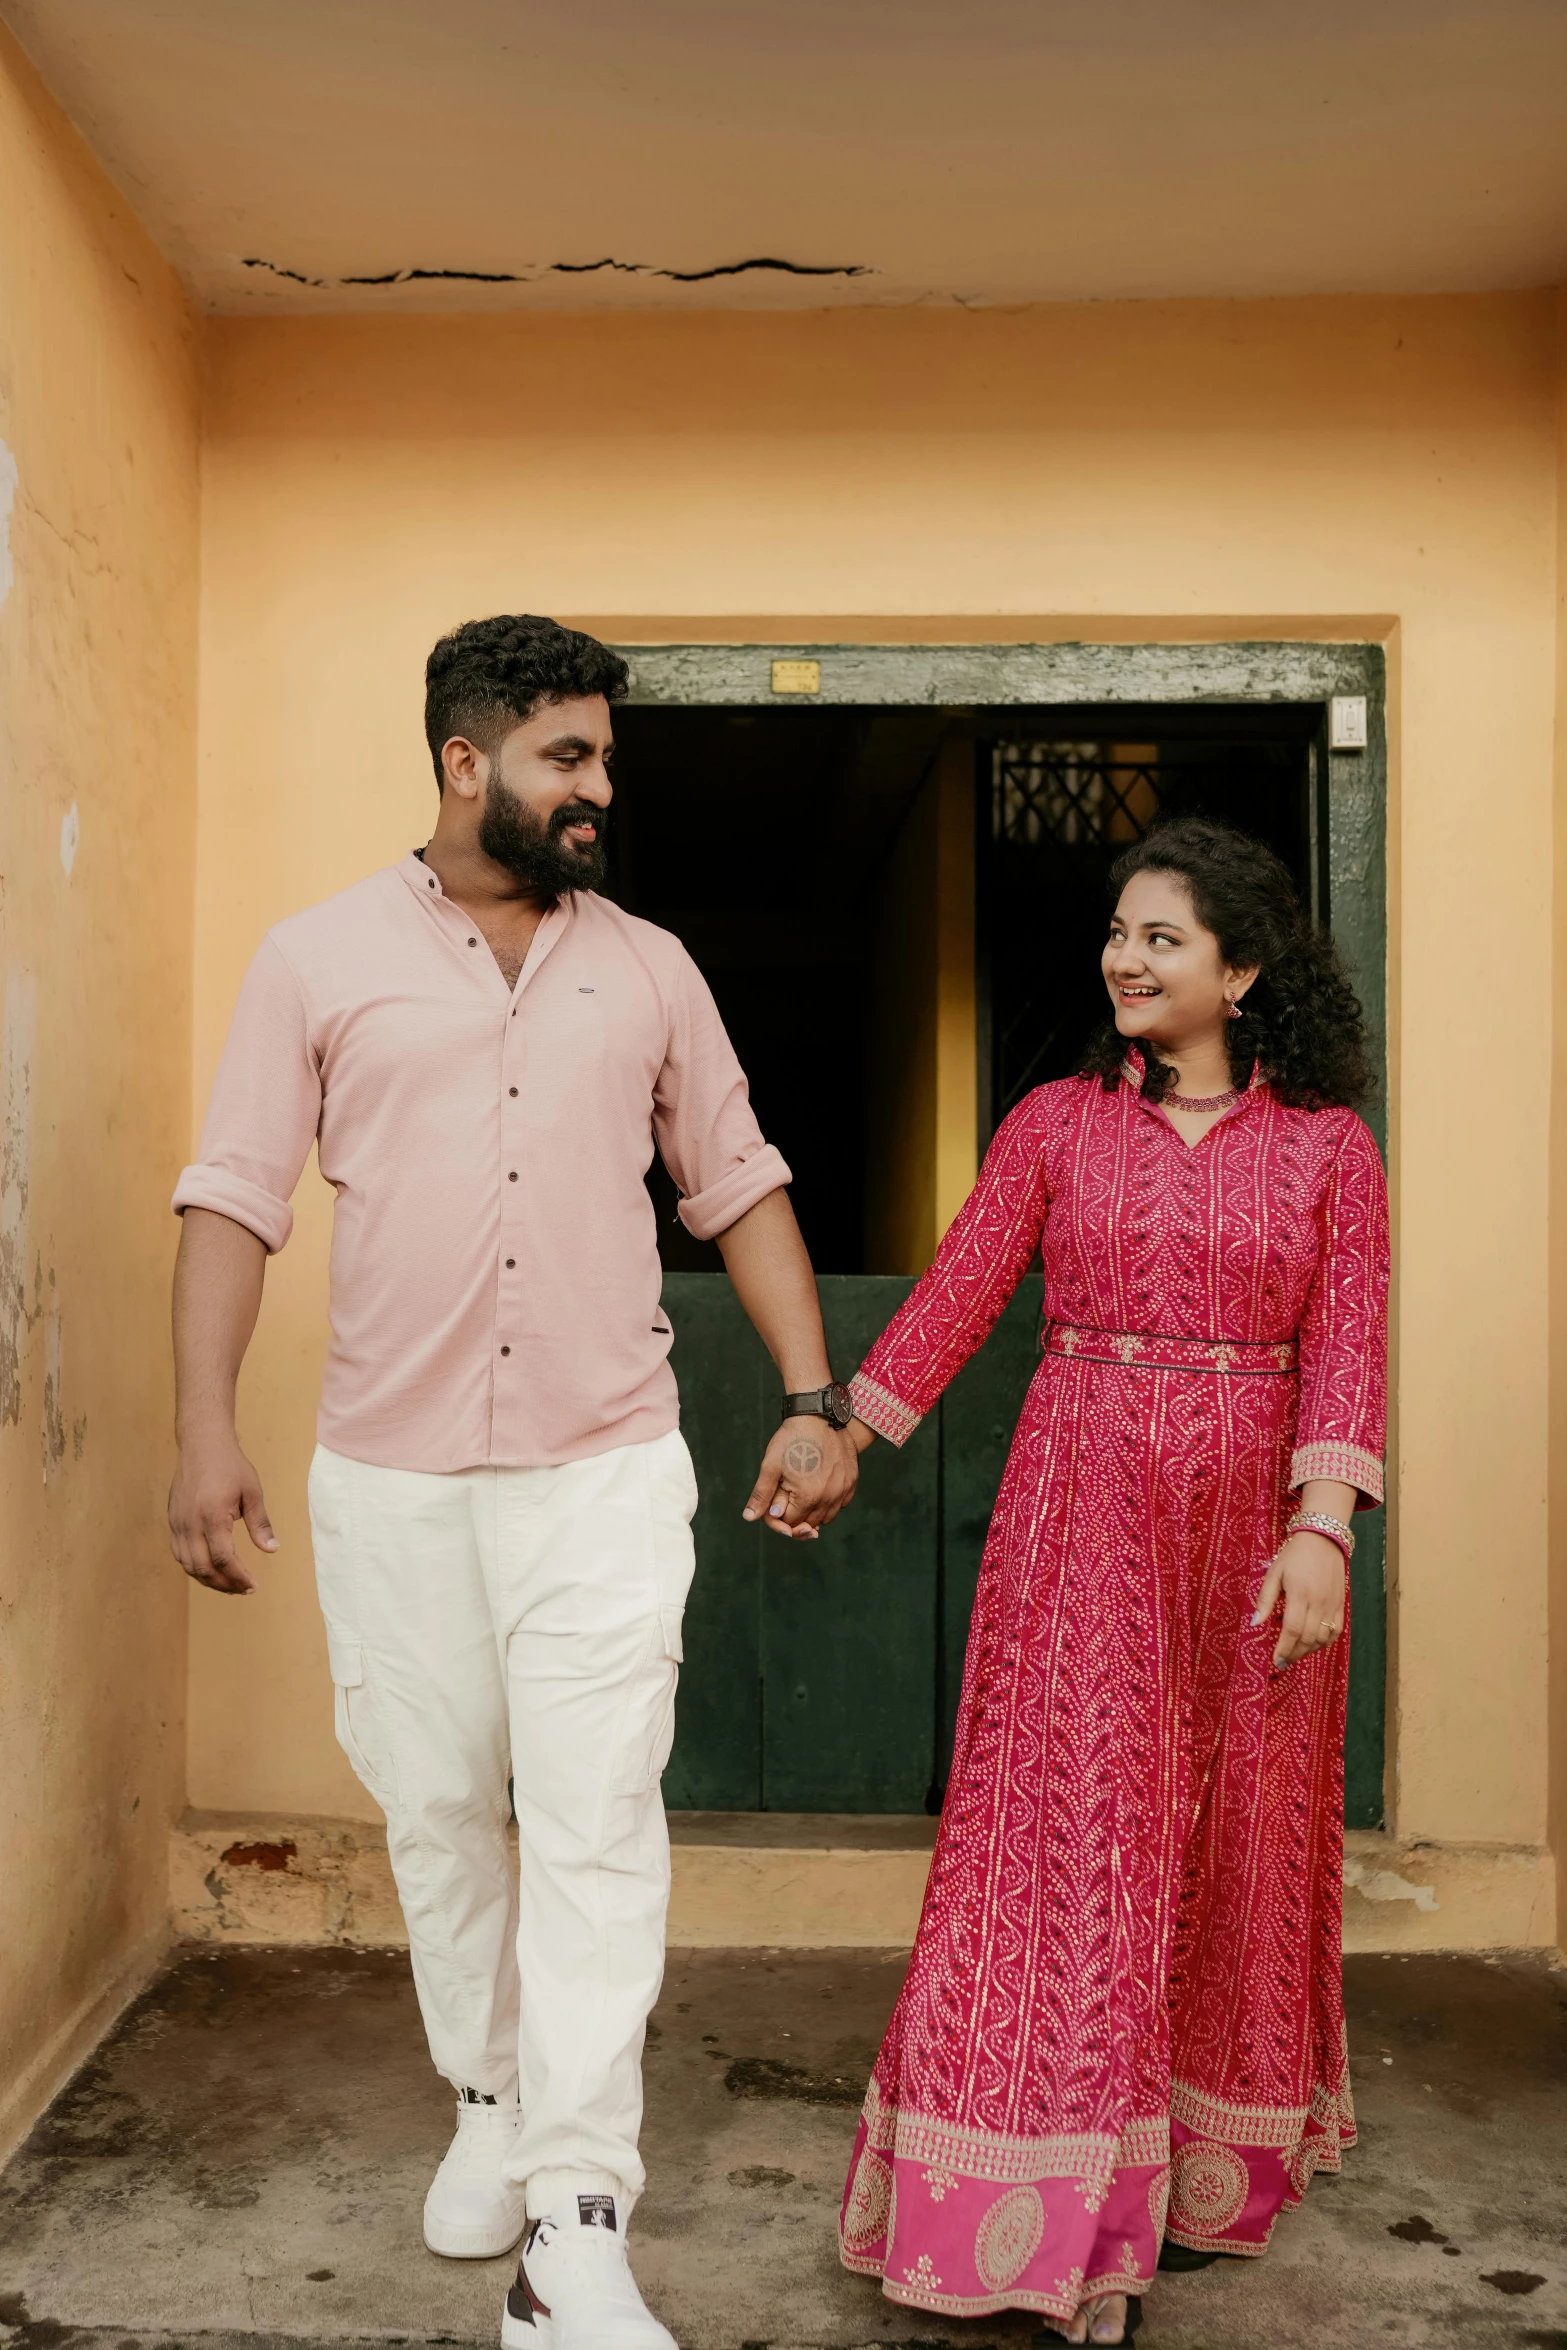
(418, 875)
(426, 883)
(426, 886)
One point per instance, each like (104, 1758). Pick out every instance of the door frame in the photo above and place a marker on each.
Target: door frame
(1349, 807)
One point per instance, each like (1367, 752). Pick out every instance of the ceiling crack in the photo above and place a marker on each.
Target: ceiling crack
(530, 276)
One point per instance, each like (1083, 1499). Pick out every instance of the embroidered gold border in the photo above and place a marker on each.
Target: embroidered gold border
(1272, 2126)
(1091, 2155)
(882, 1410)
(1345, 1464)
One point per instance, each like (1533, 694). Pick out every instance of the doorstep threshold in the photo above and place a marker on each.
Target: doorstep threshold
(805, 1831)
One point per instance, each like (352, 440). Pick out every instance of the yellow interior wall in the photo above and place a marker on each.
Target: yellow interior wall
(98, 410)
(1357, 467)
(900, 1067)
(920, 1091)
(957, 1089)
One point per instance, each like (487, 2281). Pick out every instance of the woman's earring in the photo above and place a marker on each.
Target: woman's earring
(1234, 1009)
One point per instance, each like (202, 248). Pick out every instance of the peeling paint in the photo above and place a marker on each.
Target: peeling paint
(262, 1856)
(54, 1375)
(16, 1118)
(1386, 1885)
(532, 274)
(8, 481)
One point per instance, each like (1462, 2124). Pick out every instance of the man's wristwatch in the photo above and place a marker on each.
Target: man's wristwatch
(833, 1403)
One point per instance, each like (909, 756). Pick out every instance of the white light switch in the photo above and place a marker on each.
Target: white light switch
(1347, 722)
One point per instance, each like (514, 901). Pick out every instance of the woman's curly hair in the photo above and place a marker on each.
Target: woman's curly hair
(1300, 1019)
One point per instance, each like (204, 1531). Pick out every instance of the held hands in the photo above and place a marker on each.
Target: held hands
(1309, 1572)
(808, 1475)
(215, 1486)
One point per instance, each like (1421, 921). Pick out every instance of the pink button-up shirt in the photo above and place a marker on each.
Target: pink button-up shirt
(495, 1276)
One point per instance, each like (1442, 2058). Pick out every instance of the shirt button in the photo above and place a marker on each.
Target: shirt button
(514, 1093)
(505, 1350)
(432, 881)
(512, 1177)
(510, 1264)
(473, 942)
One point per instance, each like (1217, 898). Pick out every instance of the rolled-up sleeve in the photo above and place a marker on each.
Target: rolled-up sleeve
(265, 1107)
(703, 1121)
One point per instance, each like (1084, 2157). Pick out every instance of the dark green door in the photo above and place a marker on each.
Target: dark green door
(810, 1667)
(824, 1676)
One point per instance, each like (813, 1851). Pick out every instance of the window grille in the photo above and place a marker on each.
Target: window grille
(1077, 794)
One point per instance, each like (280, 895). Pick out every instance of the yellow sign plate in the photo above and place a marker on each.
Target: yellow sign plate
(797, 677)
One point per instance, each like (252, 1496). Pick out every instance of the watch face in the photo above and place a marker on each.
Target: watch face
(840, 1405)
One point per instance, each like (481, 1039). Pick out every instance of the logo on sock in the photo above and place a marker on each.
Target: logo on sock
(597, 2211)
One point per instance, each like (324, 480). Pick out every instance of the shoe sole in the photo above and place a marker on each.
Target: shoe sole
(472, 2243)
(526, 2333)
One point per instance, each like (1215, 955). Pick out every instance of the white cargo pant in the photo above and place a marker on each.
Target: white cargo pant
(520, 1623)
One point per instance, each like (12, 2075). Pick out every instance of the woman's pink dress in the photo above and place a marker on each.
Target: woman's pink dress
(1123, 2014)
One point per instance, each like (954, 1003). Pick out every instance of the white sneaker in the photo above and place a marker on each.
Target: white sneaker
(471, 2211)
(575, 2289)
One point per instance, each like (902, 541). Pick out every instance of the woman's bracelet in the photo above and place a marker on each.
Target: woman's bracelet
(1318, 1522)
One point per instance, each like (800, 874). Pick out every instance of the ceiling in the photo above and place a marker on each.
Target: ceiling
(372, 155)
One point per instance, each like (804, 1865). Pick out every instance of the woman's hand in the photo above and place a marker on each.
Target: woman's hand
(1309, 1572)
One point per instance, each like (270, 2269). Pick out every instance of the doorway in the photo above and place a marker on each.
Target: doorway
(809, 855)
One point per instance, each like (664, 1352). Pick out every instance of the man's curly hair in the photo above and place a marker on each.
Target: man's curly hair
(489, 675)
(1300, 1018)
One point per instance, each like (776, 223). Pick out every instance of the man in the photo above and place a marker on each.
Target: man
(484, 1051)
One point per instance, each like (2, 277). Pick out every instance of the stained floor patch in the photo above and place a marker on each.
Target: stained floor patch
(242, 2165)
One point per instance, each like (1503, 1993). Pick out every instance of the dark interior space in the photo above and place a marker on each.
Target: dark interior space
(757, 837)
(762, 838)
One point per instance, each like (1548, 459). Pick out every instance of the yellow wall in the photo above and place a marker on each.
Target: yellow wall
(98, 410)
(1356, 467)
(920, 1128)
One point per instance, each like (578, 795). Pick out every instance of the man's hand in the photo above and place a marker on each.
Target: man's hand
(808, 1475)
(217, 1295)
(214, 1488)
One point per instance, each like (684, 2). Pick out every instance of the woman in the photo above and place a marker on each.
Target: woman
(1124, 1999)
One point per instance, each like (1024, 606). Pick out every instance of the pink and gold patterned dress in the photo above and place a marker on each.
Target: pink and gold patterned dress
(1123, 2013)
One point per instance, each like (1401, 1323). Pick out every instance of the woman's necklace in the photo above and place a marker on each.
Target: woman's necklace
(1200, 1101)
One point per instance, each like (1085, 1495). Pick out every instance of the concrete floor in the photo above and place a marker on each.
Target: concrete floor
(243, 2162)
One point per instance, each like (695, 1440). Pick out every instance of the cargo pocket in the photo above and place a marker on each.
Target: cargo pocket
(648, 1724)
(359, 1732)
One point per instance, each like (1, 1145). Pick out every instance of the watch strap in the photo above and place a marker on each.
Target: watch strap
(829, 1403)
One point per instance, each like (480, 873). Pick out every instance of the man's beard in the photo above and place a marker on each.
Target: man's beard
(535, 850)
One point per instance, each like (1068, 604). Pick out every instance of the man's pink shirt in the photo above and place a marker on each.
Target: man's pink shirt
(495, 1276)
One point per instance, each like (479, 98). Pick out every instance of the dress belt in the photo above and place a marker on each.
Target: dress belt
(1156, 1350)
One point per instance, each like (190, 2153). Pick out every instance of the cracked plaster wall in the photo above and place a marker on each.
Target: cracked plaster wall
(1557, 1630)
(98, 421)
